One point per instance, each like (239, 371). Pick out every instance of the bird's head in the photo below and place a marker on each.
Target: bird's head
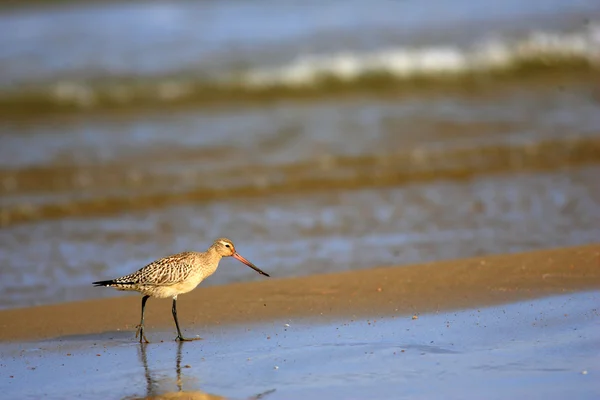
(225, 248)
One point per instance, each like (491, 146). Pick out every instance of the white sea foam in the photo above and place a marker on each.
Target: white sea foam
(405, 62)
(400, 63)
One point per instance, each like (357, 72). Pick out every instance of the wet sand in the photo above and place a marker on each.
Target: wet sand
(376, 292)
(521, 325)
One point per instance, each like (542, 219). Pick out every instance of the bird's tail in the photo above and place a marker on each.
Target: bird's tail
(104, 283)
(117, 284)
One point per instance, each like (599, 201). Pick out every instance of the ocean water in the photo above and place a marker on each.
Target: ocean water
(319, 136)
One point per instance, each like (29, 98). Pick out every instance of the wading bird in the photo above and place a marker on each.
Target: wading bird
(175, 275)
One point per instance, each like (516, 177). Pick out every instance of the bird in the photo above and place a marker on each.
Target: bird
(174, 275)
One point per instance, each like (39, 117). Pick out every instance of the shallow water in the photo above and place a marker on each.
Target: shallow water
(479, 136)
(546, 348)
(300, 188)
(299, 235)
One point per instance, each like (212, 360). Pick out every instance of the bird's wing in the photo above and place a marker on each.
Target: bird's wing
(165, 271)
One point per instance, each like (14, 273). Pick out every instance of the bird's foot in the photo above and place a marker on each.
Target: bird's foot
(180, 338)
(140, 333)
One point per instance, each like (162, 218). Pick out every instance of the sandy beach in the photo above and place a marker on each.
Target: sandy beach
(522, 325)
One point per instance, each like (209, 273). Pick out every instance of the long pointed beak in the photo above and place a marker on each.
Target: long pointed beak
(248, 263)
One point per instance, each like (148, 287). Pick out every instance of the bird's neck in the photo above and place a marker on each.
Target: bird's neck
(210, 260)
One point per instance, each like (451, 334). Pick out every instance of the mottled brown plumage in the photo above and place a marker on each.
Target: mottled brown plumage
(174, 275)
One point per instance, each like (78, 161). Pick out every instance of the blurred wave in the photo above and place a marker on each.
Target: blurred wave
(540, 49)
(317, 74)
(121, 190)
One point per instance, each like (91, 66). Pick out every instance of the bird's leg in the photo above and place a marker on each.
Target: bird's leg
(179, 335)
(140, 327)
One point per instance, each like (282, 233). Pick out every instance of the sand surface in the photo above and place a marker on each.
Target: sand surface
(522, 325)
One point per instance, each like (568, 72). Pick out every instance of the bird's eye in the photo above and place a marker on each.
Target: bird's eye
(228, 246)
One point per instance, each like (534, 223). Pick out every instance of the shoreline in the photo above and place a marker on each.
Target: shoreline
(378, 292)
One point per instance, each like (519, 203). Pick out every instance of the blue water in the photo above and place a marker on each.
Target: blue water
(140, 163)
(165, 37)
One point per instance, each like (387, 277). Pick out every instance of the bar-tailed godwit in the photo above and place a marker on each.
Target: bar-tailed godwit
(175, 275)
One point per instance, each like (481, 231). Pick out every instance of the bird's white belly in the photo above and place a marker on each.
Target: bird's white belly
(171, 290)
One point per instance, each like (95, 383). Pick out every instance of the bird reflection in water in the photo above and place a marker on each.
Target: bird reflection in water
(152, 389)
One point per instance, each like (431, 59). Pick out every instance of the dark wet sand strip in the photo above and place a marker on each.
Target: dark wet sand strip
(438, 286)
